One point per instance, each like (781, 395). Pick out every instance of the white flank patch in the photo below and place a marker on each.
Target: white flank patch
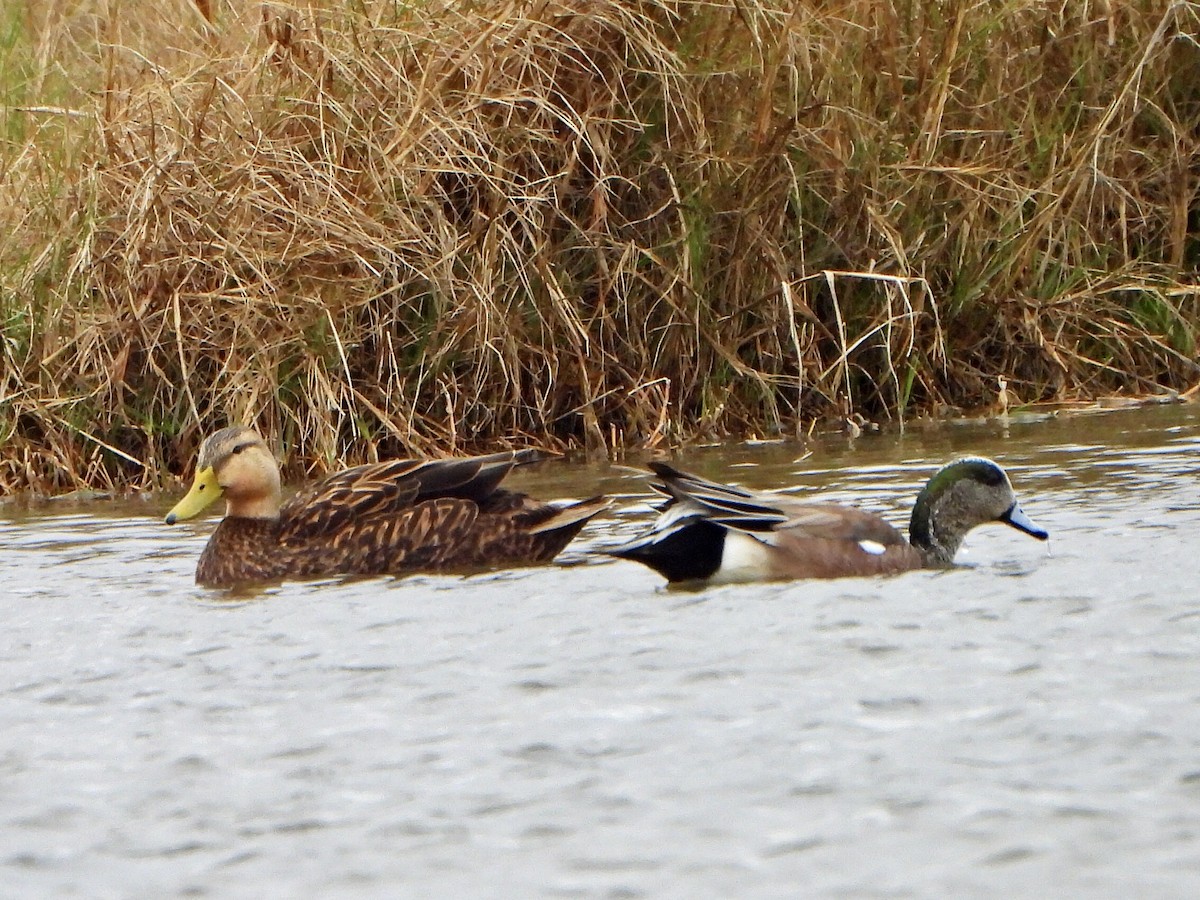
(744, 558)
(873, 547)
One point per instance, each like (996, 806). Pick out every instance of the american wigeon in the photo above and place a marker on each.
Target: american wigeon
(718, 533)
(385, 518)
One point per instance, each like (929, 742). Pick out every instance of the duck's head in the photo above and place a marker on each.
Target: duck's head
(959, 496)
(236, 464)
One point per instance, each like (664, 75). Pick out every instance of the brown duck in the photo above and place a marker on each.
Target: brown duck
(711, 532)
(385, 518)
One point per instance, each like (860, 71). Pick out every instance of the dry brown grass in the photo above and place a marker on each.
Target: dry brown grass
(376, 229)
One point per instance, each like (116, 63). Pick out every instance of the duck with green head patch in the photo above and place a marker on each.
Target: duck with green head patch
(385, 518)
(710, 532)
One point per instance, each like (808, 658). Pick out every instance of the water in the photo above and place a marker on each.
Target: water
(1028, 726)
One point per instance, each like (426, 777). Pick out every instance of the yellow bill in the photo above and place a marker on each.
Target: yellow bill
(204, 491)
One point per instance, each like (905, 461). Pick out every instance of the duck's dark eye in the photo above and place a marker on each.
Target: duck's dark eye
(239, 448)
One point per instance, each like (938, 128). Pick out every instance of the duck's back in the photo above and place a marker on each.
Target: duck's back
(438, 534)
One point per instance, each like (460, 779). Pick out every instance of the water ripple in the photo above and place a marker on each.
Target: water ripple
(576, 730)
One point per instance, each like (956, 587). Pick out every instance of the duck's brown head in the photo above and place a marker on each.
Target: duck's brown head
(236, 464)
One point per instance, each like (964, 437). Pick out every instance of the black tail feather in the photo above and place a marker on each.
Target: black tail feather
(688, 553)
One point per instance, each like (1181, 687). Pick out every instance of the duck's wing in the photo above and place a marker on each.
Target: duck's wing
(828, 521)
(381, 497)
(723, 504)
(765, 513)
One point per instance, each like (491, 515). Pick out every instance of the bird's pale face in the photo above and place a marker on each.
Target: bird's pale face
(235, 464)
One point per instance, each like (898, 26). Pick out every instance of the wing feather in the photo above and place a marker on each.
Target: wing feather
(756, 512)
(339, 504)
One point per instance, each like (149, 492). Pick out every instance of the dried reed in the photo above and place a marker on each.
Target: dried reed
(377, 229)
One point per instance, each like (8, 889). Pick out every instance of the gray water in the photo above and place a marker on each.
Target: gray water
(1025, 726)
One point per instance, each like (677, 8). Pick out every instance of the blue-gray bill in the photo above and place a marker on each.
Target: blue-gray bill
(1017, 519)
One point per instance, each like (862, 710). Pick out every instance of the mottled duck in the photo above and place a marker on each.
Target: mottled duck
(384, 518)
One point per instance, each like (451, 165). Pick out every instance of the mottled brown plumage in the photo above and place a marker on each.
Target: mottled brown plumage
(385, 518)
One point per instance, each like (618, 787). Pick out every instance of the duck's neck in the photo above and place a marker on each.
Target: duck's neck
(257, 509)
(933, 532)
(256, 506)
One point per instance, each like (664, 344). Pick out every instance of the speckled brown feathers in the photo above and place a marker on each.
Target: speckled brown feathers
(395, 517)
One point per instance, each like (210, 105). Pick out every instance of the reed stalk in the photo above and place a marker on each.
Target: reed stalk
(376, 229)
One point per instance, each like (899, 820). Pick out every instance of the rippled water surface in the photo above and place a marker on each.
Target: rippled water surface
(1026, 726)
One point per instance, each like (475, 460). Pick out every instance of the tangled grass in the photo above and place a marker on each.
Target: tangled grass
(377, 229)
